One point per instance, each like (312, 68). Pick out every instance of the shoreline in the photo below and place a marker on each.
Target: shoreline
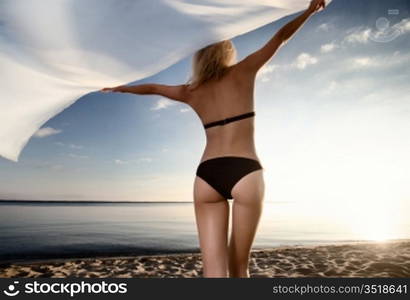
(173, 252)
(344, 259)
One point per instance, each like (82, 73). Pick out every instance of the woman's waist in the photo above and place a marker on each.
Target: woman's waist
(210, 153)
(230, 143)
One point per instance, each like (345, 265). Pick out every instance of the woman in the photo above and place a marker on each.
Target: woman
(221, 93)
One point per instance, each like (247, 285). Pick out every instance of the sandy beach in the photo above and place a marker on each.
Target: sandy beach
(370, 259)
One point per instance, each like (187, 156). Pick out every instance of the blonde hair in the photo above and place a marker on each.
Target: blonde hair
(212, 62)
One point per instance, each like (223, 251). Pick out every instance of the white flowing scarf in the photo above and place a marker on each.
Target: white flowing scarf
(52, 52)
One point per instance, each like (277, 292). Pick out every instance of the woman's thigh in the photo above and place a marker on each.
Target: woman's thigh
(212, 219)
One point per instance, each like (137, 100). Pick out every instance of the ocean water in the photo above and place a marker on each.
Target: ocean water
(30, 231)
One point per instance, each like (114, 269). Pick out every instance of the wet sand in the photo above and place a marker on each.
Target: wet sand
(371, 259)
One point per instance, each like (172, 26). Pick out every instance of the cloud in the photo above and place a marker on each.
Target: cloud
(371, 80)
(120, 162)
(403, 26)
(138, 160)
(363, 62)
(267, 69)
(162, 104)
(326, 48)
(46, 131)
(73, 146)
(144, 159)
(385, 33)
(184, 110)
(323, 27)
(330, 88)
(56, 167)
(263, 73)
(304, 60)
(77, 156)
(352, 75)
(47, 165)
(361, 36)
(381, 62)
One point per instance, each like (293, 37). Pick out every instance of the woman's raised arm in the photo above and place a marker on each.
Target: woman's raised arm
(256, 60)
(174, 92)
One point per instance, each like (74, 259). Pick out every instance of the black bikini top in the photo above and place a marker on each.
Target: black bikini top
(229, 120)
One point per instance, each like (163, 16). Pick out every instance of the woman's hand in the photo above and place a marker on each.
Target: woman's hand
(315, 5)
(118, 89)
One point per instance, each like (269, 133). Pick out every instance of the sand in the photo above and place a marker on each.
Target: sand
(383, 259)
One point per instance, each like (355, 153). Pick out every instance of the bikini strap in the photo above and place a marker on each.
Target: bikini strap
(229, 120)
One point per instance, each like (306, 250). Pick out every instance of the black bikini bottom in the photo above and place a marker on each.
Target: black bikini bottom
(223, 172)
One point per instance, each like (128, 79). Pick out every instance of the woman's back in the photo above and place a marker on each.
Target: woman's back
(215, 100)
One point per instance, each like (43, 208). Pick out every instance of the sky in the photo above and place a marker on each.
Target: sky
(332, 124)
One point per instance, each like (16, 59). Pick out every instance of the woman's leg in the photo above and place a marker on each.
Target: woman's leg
(248, 196)
(212, 218)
